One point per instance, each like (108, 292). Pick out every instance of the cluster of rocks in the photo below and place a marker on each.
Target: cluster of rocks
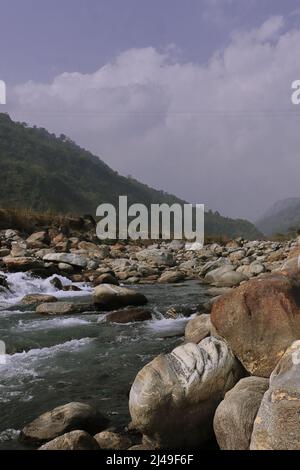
(74, 426)
(51, 252)
(237, 377)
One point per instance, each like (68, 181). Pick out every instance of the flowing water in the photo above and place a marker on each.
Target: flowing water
(54, 360)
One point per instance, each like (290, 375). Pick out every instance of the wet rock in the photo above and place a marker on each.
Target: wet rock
(276, 425)
(259, 320)
(74, 440)
(109, 297)
(234, 417)
(3, 282)
(178, 311)
(64, 419)
(128, 315)
(112, 441)
(33, 300)
(56, 282)
(63, 308)
(185, 388)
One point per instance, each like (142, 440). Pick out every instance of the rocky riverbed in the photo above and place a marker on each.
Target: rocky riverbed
(98, 329)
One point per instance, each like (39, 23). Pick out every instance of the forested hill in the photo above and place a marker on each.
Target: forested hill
(43, 172)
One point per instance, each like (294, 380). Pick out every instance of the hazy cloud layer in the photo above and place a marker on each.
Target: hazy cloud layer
(222, 133)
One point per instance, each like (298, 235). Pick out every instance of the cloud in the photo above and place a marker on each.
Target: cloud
(222, 133)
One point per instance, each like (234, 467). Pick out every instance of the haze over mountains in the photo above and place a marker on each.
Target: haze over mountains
(43, 172)
(283, 216)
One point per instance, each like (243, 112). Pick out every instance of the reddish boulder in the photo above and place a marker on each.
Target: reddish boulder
(260, 320)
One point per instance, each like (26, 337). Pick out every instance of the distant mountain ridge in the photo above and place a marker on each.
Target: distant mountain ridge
(283, 216)
(43, 172)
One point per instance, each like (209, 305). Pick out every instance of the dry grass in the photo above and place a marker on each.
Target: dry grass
(27, 220)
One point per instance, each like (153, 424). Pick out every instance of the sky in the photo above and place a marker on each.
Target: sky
(192, 97)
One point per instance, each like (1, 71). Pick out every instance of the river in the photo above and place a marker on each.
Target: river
(55, 360)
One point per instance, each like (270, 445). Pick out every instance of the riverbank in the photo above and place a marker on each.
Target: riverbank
(73, 335)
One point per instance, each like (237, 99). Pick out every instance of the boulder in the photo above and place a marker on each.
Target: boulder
(259, 320)
(156, 257)
(237, 255)
(234, 417)
(128, 315)
(291, 264)
(110, 297)
(62, 308)
(38, 240)
(69, 258)
(276, 426)
(224, 276)
(112, 441)
(100, 251)
(173, 398)
(4, 252)
(106, 278)
(74, 440)
(169, 277)
(198, 328)
(64, 419)
(18, 248)
(65, 267)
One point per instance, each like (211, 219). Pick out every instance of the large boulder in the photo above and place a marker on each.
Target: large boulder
(276, 425)
(61, 420)
(76, 260)
(110, 297)
(173, 398)
(74, 440)
(259, 320)
(234, 417)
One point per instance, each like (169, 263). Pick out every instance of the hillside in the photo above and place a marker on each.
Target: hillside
(282, 217)
(43, 172)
